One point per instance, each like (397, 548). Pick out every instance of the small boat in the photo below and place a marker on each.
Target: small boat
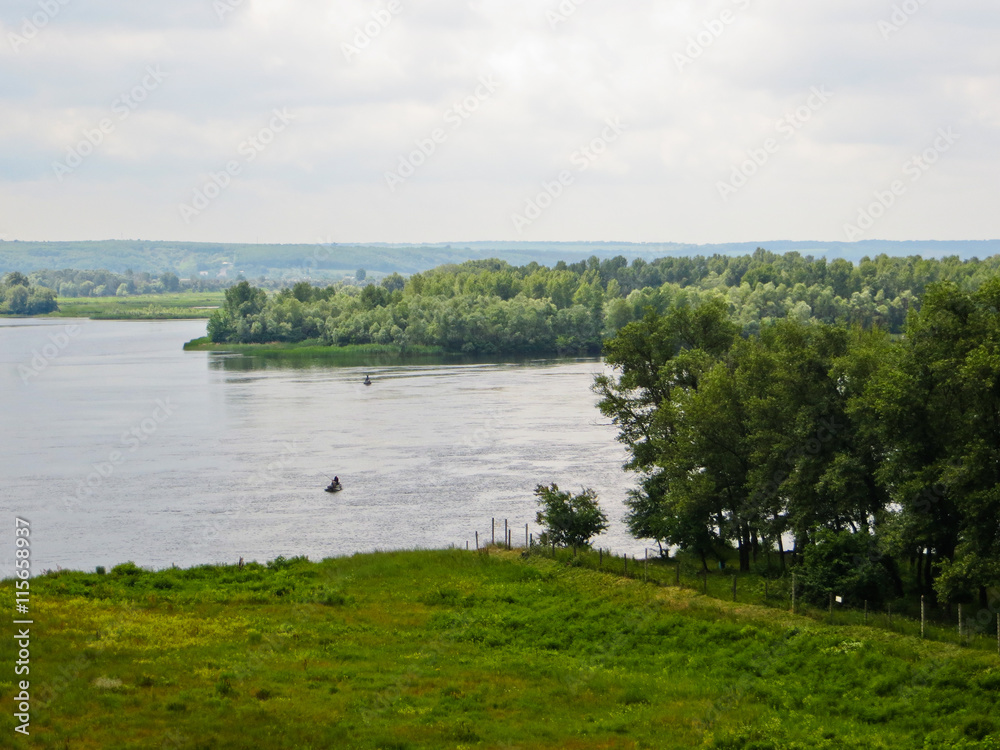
(334, 487)
(368, 380)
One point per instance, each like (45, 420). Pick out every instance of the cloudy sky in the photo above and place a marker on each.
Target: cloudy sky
(435, 120)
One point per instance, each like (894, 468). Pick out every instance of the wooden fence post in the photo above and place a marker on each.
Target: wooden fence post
(493, 527)
(477, 541)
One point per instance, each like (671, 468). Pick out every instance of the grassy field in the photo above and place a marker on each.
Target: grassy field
(767, 586)
(456, 649)
(141, 307)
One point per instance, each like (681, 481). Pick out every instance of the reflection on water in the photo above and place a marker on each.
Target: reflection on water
(126, 447)
(292, 361)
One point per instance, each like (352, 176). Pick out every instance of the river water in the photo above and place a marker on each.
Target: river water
(118, 445)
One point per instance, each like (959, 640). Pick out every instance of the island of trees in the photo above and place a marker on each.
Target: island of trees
(491, 307)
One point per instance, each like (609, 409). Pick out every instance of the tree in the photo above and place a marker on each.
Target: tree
(303, 291)
(569, 520)
(361, 274)
(16, 300)
(170, 281)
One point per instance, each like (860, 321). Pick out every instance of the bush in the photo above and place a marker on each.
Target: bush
(569, 520)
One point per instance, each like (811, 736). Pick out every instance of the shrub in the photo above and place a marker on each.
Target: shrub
(569, 520)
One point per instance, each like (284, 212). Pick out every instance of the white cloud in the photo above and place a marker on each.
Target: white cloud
(324, 176)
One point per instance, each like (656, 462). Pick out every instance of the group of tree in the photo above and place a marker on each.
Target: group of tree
(867, 451)
(100, 283)
(491, 307)
(18, 296)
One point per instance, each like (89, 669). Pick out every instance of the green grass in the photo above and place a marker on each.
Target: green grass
(766, 585)
(455, 649)
(141, 307)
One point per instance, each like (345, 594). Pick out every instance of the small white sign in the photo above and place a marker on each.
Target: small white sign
(839, 600)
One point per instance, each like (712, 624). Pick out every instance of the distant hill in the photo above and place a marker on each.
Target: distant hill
(303, 261)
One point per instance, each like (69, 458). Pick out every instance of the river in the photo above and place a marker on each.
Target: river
(118, 445)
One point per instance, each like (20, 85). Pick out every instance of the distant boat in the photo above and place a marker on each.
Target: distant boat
(334, 486)
(368, 380)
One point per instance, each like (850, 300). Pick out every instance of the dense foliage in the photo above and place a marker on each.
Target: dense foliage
(100, 283)
(18, 296)
(569, 520)
(805, 429)
(492, 307)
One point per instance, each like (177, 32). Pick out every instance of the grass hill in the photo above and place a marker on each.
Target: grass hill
(456, 649)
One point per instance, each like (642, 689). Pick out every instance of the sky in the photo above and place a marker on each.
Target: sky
(432, 121)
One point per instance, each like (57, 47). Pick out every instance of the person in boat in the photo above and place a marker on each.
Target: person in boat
(368, 380)
(336, 481)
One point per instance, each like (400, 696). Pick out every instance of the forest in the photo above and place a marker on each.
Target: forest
(491, 307)
(19, 296)
(869, 451)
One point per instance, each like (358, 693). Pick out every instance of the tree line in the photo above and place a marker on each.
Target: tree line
(102, 283)
(865, 450)
(491, 307)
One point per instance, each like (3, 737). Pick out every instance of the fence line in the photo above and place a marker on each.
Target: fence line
(780, 591)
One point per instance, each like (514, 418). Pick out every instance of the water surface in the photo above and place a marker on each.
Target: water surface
(118, 445)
